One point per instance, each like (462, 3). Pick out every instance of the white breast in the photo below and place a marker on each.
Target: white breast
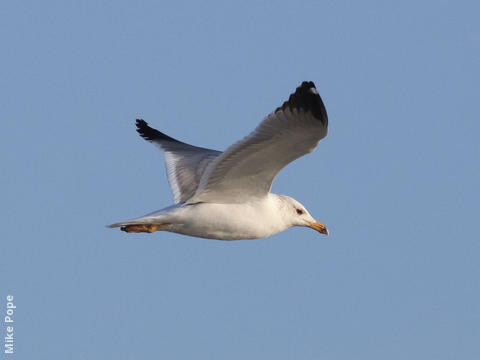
(250, 220)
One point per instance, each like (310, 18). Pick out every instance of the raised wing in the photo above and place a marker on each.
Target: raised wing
(247, 168)
(185, 163)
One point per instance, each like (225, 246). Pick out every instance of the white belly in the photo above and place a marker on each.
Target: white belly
(227, 221)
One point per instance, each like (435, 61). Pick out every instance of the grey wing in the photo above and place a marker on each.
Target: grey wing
(247, 168)
(185, 163)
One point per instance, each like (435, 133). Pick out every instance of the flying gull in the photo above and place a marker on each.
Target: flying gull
(226, 195)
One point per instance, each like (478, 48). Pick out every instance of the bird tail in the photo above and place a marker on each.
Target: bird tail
(139, 225)
(140, 221)
(157, 219)
(125, 223)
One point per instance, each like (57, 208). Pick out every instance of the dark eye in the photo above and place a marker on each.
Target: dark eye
(299, 212)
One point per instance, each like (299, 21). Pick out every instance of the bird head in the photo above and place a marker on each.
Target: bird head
(299, 215)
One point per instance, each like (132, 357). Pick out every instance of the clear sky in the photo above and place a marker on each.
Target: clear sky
(396, 181)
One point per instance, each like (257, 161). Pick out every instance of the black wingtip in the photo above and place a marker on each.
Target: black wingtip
(151, 134)
(307, 98)
(144, 130)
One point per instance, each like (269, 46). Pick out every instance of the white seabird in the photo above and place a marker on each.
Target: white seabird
(226, 195)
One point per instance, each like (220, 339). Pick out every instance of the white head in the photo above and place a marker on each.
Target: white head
(297, 215)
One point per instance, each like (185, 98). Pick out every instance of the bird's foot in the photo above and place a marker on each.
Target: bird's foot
(148, 228)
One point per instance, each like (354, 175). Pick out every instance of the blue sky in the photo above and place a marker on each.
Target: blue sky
(396, 180)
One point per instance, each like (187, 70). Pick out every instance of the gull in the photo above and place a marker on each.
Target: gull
(226, 195)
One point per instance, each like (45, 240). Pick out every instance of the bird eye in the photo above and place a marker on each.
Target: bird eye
(299, 211)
